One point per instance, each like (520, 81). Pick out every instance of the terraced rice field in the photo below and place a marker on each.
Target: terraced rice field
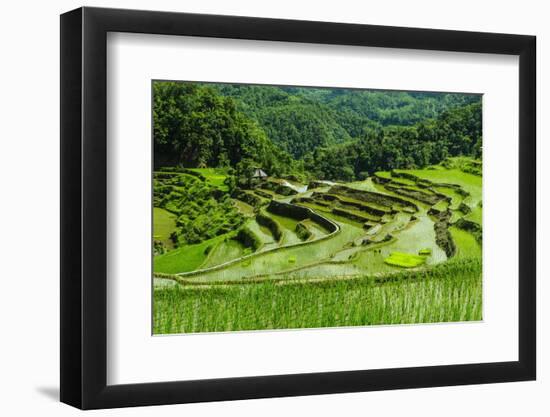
(468, 182)
(228, 248)
(164, 224)
(184, 259)
(343, 237)
(214, 176)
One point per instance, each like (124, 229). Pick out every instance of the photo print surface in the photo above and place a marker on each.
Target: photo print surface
(291, 207)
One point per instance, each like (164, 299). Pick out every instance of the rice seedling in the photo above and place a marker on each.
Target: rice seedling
(448, 292)
(405, 260)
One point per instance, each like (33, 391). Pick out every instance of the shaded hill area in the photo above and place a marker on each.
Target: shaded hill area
(301, 119)
(333, 134)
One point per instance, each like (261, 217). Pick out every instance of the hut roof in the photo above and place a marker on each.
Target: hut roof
(259, 173)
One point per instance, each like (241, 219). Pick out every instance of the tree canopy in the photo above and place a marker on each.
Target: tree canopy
(193, 126)
(338, 134)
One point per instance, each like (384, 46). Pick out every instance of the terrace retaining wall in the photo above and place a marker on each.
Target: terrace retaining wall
(371, 197)
(443, 237)
(472, 227)
(326, 223)
(358, 205)
(301, 213)
(273, 226)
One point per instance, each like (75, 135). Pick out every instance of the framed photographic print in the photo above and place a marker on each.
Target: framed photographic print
(257, 208)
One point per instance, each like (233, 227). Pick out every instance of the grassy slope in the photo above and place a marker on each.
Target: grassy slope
(466, 244)
(289, 226)
(469, 182)
(214, 176)
(475, 215)
(244, 208)
(366, 185)
(185, 258)
(224, 251)
(405, 260)
(164, 223)
(456, 198)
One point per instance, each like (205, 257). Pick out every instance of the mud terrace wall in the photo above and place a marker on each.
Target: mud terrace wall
(443, 237)
(471, 227)
(380, 180)
(464, 208)
(300, 213)
(362, 207)
(371, 197)
(271, 224)
(424, 197)
(289, 210)
(351, 216)
(248, 238)
(405, 175)
(249, 198)
(316, 184)
(422, 182)
(263, 194)
(302, 231)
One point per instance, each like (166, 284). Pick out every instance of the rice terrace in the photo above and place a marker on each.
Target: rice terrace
(298, 207)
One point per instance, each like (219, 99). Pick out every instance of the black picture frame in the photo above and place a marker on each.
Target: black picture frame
(84, 207)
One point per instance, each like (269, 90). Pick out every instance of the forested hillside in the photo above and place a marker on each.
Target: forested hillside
(195, 126)
(454, 132)
(335, 134)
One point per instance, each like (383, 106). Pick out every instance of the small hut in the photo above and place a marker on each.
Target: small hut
(259, 174)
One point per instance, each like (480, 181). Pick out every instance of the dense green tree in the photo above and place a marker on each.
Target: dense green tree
(455, 132)
(326, 133)
(194, 126)
(244, 171)
(302, 119)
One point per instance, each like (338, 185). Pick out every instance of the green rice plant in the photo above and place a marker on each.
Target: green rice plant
(453, 194)
(468, 182)
(466, 244)
(214, 176)
(164, 224)
(262, 232)
(383, 174)
(224, 251)
(244, 208)
(445, 293)
(475, 215)
(405, 260)
(441, 206)
(185, 258)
